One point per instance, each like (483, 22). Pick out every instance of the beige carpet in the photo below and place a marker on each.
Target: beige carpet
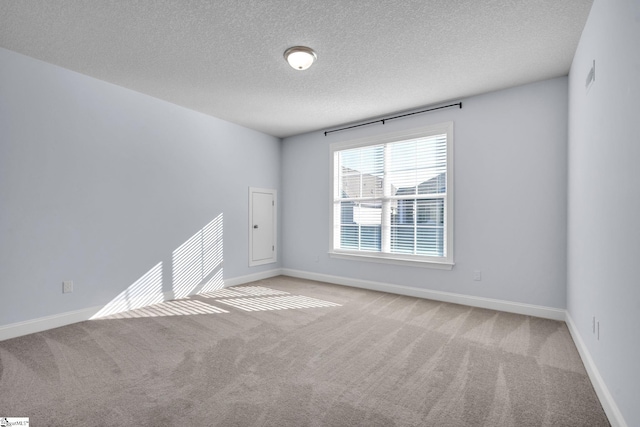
(290, 352)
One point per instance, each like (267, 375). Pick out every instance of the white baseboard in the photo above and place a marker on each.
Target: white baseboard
(240, 280)
(44, 323)
(55, 321)
(481, 302)
(49, 322)
(40, 324)
(606, 399)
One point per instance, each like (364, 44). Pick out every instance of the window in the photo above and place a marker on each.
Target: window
(393, 197)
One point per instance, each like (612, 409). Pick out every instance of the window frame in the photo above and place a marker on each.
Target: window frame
(445, 262)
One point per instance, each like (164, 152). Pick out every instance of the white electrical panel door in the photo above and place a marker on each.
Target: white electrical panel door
(262, 226)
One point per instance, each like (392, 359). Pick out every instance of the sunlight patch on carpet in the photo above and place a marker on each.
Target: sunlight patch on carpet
(246, 298)
(242, 291)
(222, 293)
(169, 308)
(276, 303)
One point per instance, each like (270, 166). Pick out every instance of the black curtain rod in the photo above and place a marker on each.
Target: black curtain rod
(391, 118)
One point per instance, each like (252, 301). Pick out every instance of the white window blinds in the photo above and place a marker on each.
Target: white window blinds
(392, 198)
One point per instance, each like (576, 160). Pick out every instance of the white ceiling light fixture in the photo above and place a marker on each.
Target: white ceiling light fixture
(300, 57)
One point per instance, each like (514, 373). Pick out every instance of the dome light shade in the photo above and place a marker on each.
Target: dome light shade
(300, 57)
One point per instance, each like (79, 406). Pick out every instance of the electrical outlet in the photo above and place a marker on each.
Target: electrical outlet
(593, 325)
(67, 287)
(477, 275)
(598, 330)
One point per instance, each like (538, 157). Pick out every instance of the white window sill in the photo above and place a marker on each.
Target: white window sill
(392, 259)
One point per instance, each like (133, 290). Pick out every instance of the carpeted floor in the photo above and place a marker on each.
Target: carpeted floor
(291, 352)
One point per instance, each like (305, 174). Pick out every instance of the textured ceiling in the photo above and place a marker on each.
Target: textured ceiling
(375, 57)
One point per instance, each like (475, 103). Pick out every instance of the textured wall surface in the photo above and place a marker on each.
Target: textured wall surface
(510, 199)
(100, 184)
(604, 197)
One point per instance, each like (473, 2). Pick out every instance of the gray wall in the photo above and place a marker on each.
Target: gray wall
(98, 184)
(604, 197)
(510, 199)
